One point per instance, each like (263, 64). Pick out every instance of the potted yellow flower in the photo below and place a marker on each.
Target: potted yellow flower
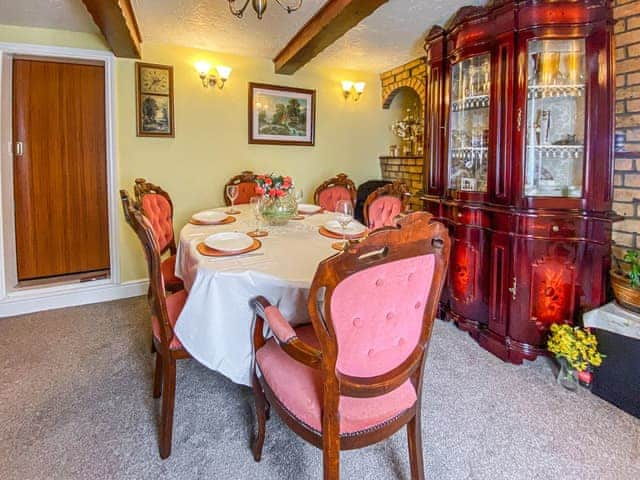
(576, 350)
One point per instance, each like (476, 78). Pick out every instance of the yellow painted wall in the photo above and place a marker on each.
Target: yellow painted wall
(211, 145)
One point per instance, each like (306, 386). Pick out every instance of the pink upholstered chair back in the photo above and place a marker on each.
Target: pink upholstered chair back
(328, 198)
(378, 315)
(158, 211)
(246, 190)
(246, 182)
(383, 211)
(373, 306)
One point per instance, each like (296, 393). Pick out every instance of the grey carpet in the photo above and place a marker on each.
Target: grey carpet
(75, 403)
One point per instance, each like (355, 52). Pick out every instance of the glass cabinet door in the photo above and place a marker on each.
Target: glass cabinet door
(555, 143)
(469, 124)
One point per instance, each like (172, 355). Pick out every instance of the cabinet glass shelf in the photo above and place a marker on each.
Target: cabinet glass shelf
(554, 153)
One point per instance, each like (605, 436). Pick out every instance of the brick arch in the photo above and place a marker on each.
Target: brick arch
(390, 92)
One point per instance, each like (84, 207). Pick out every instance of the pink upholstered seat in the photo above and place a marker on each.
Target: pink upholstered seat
(383, 211)
(175, 304)
(168, 268)
(299, 389)
(328, 197)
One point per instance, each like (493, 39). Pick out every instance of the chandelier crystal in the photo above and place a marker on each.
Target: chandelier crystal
(260, 6)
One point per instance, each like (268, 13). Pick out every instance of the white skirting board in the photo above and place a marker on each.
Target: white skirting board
(38, 299)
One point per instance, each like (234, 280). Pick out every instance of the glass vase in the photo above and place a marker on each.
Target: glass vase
(567, 376)
(279, 210)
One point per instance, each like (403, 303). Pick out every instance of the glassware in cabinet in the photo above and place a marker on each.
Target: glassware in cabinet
(469, 124)
(555, 141)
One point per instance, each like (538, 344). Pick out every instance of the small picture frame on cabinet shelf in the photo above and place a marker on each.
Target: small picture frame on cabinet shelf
(154, 100)
(468, 184)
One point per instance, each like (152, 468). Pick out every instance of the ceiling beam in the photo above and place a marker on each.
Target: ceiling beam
(334, 19)
(117, 21)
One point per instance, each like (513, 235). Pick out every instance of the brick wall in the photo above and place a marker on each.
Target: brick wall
(627, 165)
(408, 169)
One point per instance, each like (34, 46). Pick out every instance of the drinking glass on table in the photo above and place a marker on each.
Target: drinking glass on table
(299, 195)
(256, 208)
(232, 194)
(344, 216)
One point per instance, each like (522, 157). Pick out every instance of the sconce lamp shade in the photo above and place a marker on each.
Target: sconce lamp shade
(359, 87)
(223, 72)
(203, 67)
(347, 85)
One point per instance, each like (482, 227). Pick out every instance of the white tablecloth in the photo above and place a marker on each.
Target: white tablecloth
(215, 325)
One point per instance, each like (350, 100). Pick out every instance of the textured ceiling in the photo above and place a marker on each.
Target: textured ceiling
(58, 14)
(392, 35)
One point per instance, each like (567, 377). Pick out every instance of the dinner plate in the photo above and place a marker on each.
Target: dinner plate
(354, 228)
(228, 241)
(308, 208)
(209, 216)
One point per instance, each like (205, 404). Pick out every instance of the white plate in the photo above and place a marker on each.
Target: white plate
(228, 241)
(354, 228)
(210, 216)
(308, 208)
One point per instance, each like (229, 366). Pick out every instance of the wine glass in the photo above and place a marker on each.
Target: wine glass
(344, 216)
(256, 208)
(232, 194)
(299, 195)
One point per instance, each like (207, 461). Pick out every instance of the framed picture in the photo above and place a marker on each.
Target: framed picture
(154, 100)
(281, 115)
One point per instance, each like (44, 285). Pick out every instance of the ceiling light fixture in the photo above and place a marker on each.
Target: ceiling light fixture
(260, 6)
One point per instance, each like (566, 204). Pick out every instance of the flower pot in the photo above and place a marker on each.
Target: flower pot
(279, 210)
(625, 294)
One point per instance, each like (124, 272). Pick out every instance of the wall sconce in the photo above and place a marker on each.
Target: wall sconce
(213, 80)
(352, 89)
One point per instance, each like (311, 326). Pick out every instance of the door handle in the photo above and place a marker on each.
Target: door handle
(513, 288)
(19, 149)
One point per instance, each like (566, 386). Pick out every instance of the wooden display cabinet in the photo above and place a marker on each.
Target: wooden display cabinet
(519, 123)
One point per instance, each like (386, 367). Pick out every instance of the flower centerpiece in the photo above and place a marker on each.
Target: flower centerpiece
(577, 351)
(279, 203)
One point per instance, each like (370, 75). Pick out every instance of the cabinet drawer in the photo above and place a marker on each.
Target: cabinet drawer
(467, 216)
(553, 227)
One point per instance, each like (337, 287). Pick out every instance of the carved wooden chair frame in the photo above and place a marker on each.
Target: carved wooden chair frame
(247, 176)
(396, 189)
(415, 235)
(165, 370)
(340, 180)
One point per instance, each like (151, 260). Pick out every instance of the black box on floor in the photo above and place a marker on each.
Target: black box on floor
(617, 380)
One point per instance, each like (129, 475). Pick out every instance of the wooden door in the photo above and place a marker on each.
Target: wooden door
(60, 178)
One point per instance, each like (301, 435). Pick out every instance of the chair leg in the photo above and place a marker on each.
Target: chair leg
(157, 377)
(261, 417)
(414, 435)
(331, 457)
(168, 402)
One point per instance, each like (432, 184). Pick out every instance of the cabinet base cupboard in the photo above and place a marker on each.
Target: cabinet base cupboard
(519, 124)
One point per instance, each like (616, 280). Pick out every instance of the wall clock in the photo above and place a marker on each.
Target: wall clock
(154, 100)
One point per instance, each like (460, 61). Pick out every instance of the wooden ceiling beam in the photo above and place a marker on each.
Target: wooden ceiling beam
(334, 19)
(117, 21)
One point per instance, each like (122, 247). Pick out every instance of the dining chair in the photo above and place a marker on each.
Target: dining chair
(354, 376)
(246, 183)
(340, 187)
(157, 206)
(165, 310)
(384, 204)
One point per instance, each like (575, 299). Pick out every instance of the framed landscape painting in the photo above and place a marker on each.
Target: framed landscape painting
(281, 115)
(154, 100)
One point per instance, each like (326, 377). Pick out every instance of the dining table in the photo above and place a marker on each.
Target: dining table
(216, 323)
